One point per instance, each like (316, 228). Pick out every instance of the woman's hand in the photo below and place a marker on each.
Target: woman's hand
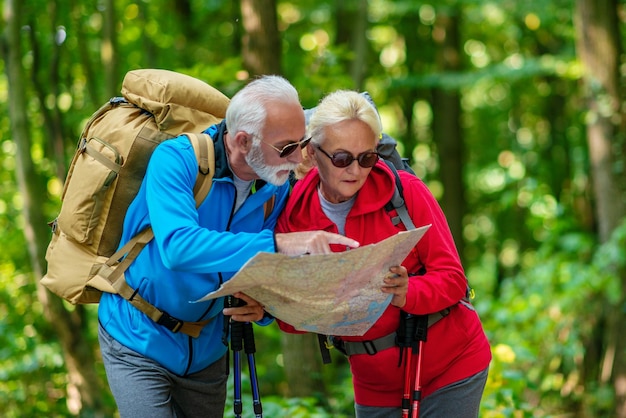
(396, 282)
(250, 312)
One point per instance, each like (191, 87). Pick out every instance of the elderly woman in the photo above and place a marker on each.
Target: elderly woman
(344, 189)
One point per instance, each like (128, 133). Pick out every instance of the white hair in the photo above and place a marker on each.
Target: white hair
(247, 109)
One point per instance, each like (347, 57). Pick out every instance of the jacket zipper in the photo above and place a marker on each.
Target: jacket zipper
(190, 339)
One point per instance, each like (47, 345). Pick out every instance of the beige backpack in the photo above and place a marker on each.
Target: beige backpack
(104, 177)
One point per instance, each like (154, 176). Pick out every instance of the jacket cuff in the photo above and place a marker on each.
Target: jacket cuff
(266, 320)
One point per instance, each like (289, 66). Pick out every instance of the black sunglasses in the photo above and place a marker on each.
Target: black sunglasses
(290, 148)
(342, 159)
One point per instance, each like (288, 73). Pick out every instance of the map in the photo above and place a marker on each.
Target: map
(333, 294)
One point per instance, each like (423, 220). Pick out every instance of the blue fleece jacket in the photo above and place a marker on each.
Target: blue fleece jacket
(192, 253)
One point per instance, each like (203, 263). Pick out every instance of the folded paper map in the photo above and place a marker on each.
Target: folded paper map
(333, 294)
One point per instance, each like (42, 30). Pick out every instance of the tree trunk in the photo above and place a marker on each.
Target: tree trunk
(261, 40)
(303, 365)
(108, 50)
(351, 22)
(358, 68)
(407, 96)
(598, 46)
(47, 75)
(599, 49)
(84, 391)
(86, 62)
(447, 127)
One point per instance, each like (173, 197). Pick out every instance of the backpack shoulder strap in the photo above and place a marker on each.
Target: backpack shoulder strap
(205, 154)
(397, 201)
(268, 206)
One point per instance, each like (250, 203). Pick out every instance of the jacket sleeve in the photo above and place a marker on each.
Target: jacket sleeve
(285, 327)
(184, 244)
(443, 283)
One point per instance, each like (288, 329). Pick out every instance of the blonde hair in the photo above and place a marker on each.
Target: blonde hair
(335, 108)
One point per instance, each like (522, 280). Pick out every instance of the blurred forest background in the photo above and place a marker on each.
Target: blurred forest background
(511, 111)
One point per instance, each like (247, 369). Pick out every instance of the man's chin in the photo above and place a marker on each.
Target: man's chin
(279, 178)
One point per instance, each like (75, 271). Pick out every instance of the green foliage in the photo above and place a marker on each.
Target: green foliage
(339, 406)
(32, 373)
(539, 324)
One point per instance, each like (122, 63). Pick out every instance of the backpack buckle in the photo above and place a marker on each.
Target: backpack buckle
(338, 344)
(370, 347)
(169, 322)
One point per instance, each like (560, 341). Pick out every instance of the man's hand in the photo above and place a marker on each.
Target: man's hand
(311, 242)
(250, 312)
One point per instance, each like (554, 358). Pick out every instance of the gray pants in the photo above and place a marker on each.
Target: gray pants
(144, 388)
(457, 400)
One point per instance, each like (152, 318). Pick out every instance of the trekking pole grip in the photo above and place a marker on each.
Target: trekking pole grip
(421, 328)
(248, 338)
(236, 335)
(407, 331)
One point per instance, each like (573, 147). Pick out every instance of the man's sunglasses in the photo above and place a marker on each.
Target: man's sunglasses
(342, 159)
(290, 148)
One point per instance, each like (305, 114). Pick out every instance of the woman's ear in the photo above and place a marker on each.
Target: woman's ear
(310, 154)
(307, 163)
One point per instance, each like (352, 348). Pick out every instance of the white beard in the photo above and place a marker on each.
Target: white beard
(266, 172)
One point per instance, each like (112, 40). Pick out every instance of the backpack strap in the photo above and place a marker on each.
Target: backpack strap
(113, 272)
(205, 154)
(397, 201)
(268, 206)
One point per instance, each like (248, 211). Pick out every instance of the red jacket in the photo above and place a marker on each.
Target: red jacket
(456, 345)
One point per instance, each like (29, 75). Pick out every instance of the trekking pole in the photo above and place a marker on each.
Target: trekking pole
(420, 334)
(236, 338)
(406, 396)
(242, 337)
(408, 347)
(250, 349)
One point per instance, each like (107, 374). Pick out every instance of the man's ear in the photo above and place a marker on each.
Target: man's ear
(243, 141)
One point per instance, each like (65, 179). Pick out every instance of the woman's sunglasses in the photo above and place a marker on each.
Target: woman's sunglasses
(342, 159)
(290, 148)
